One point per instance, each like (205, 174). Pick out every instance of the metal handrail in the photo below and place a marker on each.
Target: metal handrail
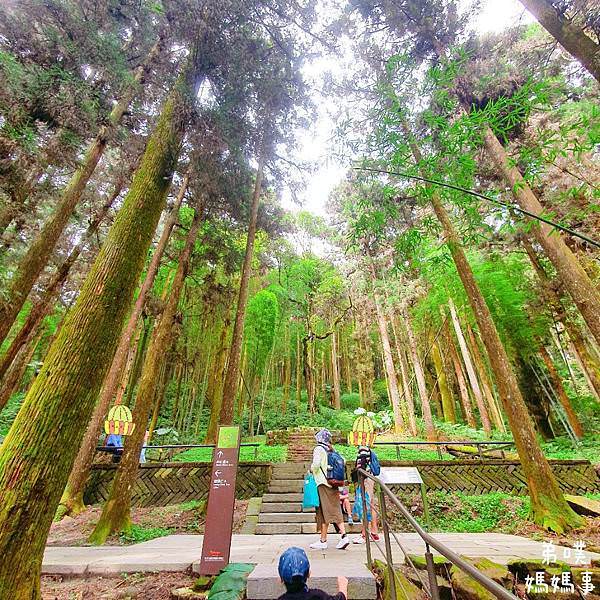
(489, 584)
(254, 445)
(439, 445)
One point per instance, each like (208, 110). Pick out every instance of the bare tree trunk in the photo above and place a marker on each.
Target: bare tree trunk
(337, 403)
(388, 360)
(420, 377)
(447, 399)
(40, 250)
(408, 400)
(72, 498)
(44, 305)
(462, 384)
(230, 386)
(572, 37)
(287, 370)
(14, 376)
(298, 373)
(561, 393)
(485, 383)
(568, 268)
(485, 420)
(308, 374)
(116, 512)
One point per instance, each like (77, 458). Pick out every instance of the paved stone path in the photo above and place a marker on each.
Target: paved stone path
(180, 552)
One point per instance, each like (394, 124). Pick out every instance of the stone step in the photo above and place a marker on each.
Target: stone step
(293, 528)
(288, 474)
(286, 486)
(264, 582)
(268, 498)
(282, 507)
(286, 517)
(280, 528)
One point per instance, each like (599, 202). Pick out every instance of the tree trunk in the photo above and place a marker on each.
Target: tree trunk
(308, 375)
(116, 512)
(409, 402)
(287, 370)
(568, 268)
(388, 360)
(14, 376)
(40, 250)
(337, 402)
(572, 37)
(483, 414)
(447, 399)
(63, 395)
(72, 498)
(420, 377)
(462, 384)
(485, 382)
(44, 305)
(548, 505)
(298, 373)
(230, 386)
(215, 391)
(561, 393)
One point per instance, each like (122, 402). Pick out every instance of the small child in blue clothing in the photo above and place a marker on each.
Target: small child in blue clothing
(345, 502)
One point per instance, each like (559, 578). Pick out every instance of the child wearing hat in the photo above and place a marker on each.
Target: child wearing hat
(294, 570)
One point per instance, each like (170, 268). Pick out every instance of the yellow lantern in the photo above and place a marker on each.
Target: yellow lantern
(119, 421)
(363, 432)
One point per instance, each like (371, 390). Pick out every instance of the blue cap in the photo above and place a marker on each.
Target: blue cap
(293, 563)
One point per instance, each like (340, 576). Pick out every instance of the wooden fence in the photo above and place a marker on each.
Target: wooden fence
(161, 484)
(482, 477)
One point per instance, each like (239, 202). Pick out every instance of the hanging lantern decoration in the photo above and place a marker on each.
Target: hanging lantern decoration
(119, 421)
(363, 432)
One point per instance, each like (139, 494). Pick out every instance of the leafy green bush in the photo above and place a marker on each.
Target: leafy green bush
(350, 401)
(563, 448)
(7, 416)
(138, 534)
(461, 513)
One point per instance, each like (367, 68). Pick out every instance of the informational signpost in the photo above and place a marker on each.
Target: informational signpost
(406, 476)
(221, 502)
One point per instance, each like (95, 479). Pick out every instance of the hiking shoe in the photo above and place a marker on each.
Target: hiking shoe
(343, 543)
(375, 537)
(359, 539)
(350, 521)
(319, 545)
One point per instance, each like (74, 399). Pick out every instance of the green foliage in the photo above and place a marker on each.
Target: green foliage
(7, 416)
(265, 454)
(137, 534)
(350, 401)
(231, 583)
(259, 332)
(562, 448)
(456, 512)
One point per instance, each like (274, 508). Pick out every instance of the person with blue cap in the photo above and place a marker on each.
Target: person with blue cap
(294, 570)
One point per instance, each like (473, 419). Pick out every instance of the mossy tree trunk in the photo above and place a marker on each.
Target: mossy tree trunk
(115, 515)
(230, 387)
(572, 275)
(40, 250)
(408, 401)
(72, 498)
(61, 399)
(548, 506)
(569, 35)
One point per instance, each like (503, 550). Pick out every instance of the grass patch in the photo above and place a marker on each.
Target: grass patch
(562, 448)
(138, 534)
(275, 454)
(462, 513)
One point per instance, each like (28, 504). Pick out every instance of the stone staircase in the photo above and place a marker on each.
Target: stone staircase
(281, 509)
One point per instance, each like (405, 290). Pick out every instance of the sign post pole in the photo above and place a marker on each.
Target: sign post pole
(221, 501)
